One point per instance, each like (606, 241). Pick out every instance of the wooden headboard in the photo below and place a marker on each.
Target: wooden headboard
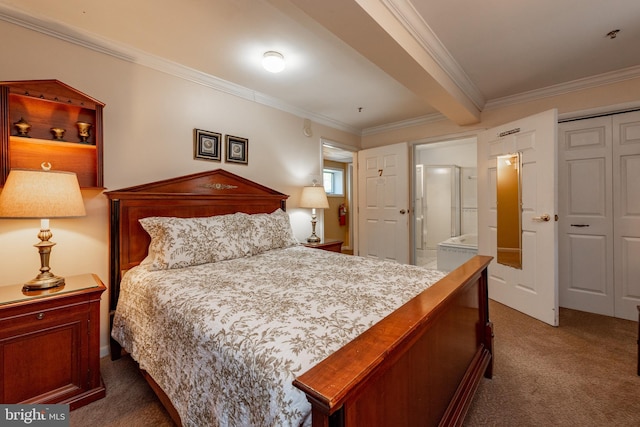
(217, 192)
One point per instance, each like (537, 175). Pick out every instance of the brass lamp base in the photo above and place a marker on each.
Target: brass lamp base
(43, 281)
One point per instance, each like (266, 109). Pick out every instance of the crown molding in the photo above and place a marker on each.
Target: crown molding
(413, 22)
(128, 53)
(534, 95)
(564, 88)
(57, 30)
(599, 111)
(418, 121)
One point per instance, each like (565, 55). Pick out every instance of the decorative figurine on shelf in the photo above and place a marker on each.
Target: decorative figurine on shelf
(58, 134)
(23, 128)
(83, 131)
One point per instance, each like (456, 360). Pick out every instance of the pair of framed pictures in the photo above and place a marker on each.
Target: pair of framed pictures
(208, 146)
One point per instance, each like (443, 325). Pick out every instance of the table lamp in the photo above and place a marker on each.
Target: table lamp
(42, 194)
(313, 197)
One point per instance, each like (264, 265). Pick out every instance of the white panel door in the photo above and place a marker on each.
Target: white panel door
(586, 215)
(383, 203)
(626, 196)
(533, 289)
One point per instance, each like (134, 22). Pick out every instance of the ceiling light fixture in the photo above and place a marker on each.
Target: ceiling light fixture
(273, 61)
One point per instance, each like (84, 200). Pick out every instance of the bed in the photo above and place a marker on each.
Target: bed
(414, 358)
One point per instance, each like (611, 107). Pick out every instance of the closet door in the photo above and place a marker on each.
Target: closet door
(626, 188)
(586, 248)
(599, 209)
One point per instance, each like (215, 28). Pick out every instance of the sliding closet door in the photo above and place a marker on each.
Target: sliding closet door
(626, 185)
(585, 208)
(599, 210)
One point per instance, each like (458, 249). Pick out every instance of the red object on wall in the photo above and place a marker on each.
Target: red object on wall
(342, 214)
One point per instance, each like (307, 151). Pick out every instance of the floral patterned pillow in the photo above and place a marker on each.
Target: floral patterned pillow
(182, 242)
(270, 231)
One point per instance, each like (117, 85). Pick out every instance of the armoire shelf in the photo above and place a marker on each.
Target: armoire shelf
(44, 105)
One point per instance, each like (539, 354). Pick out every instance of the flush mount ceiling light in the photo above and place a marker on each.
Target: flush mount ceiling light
(273, 61)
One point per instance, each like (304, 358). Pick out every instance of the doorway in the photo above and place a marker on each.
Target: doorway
(337, 167)
(445, 220)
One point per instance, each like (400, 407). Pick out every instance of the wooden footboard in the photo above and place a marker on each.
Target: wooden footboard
(417, 367)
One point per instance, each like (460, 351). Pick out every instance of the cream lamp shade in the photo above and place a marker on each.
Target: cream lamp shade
(315, 198)
(42, 194)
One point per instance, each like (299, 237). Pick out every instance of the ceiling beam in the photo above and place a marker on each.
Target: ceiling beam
(371, 28)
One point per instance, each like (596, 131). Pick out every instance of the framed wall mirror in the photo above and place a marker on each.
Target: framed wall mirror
(509, 211)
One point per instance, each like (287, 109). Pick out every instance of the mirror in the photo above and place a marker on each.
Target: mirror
(509, 211)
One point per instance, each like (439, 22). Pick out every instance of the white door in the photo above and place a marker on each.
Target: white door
(626, 208)
(383, 203)
(533, 289)
(585, 208)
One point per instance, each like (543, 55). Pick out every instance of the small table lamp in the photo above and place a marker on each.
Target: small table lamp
(315, 198)
(42, 194)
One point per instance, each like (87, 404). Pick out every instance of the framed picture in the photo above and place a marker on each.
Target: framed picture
(237, 149)
(206, 145)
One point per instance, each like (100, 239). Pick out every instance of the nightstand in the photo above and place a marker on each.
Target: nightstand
(50, 343)
(328, 245)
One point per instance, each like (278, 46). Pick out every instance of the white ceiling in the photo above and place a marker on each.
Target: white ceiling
(361, 64)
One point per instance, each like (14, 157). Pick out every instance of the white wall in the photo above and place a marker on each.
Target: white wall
(461, 153)
(607, 97)
(149, 119)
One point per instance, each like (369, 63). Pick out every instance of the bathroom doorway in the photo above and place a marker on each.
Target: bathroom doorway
(337, 168)
(445, 220)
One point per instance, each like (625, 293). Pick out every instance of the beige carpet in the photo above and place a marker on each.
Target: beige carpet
(582, 373)
(130, 402)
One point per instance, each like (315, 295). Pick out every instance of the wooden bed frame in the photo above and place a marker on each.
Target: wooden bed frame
(418, 366)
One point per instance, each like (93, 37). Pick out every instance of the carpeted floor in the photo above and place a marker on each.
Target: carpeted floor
(130, 402)
(582, 373)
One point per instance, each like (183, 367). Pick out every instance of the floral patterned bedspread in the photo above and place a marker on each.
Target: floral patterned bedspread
(225, 340)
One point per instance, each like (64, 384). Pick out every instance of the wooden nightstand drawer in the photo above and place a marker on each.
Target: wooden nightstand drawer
(43, 318)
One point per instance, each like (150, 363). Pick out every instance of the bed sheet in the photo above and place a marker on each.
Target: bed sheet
(226, 340)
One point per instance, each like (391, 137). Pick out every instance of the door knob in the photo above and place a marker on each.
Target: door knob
(542, 218)
(402, 211)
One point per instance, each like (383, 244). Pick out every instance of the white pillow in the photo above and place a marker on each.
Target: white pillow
(182, 242)
(269, 231)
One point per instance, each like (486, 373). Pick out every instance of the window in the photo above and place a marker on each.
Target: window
(333, 181)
